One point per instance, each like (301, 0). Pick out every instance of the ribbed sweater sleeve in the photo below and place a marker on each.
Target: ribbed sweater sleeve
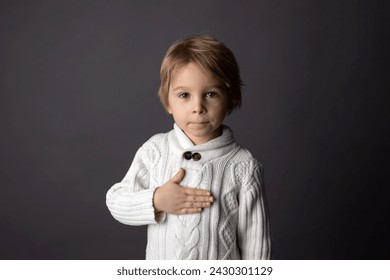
(131, 201)
(253, 225)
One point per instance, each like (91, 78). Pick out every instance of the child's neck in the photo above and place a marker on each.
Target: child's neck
(204, 139)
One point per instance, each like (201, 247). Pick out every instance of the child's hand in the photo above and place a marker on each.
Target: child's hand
(174, 199)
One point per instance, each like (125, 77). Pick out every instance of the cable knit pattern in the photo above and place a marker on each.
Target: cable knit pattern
(235, 226)
(187, 233)
(187, 237)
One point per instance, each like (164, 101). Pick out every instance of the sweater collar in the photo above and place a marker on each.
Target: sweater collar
(180, 143)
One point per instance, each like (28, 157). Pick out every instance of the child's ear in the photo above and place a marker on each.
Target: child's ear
(169, 111)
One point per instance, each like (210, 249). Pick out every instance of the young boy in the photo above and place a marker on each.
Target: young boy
(199, 192)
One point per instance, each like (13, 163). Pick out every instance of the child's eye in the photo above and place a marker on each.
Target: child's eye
(183, 95)
(211, 94)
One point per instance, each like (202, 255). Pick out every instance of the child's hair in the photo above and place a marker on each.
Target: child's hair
(209, 54)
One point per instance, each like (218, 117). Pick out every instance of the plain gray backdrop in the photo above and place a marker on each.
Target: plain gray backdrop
(78, 85)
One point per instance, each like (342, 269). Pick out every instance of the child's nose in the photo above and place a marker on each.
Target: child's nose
(199, 106)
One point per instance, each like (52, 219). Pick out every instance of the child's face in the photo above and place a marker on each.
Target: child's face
(198, 102)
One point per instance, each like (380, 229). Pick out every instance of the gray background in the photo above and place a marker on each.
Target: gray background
(78, 83)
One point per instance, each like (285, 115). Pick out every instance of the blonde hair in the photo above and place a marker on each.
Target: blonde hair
(210, 55)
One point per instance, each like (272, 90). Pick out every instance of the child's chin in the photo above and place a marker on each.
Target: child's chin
(199, 126)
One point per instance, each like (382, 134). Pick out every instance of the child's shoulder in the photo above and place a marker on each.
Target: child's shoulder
(155, 141)
(245, 167)
(245, 157)
(153, 148)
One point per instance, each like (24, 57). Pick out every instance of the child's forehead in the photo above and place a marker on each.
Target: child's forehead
(192, 68)
(183, 79)
(191, 64)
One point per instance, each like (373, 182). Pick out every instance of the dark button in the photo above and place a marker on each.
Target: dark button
(187, 155)
(196, 156)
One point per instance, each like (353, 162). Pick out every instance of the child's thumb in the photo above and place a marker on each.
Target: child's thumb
(179, 176)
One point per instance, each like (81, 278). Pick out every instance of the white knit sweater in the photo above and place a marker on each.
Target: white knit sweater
(234, 227)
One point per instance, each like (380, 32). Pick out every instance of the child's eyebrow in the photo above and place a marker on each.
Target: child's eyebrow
(180, 88)
(217, 86)
(220, 87)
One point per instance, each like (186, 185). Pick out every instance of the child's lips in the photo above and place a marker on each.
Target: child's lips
(199, 123)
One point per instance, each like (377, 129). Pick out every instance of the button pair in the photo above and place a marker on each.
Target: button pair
(194, 156)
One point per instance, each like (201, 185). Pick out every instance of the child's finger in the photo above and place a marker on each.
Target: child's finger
(196, 204)
(189, 210)
(196, 192)
(179, 176)
(198, 198)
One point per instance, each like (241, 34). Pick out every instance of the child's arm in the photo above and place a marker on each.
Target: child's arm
(131, 200)
(253, 225)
